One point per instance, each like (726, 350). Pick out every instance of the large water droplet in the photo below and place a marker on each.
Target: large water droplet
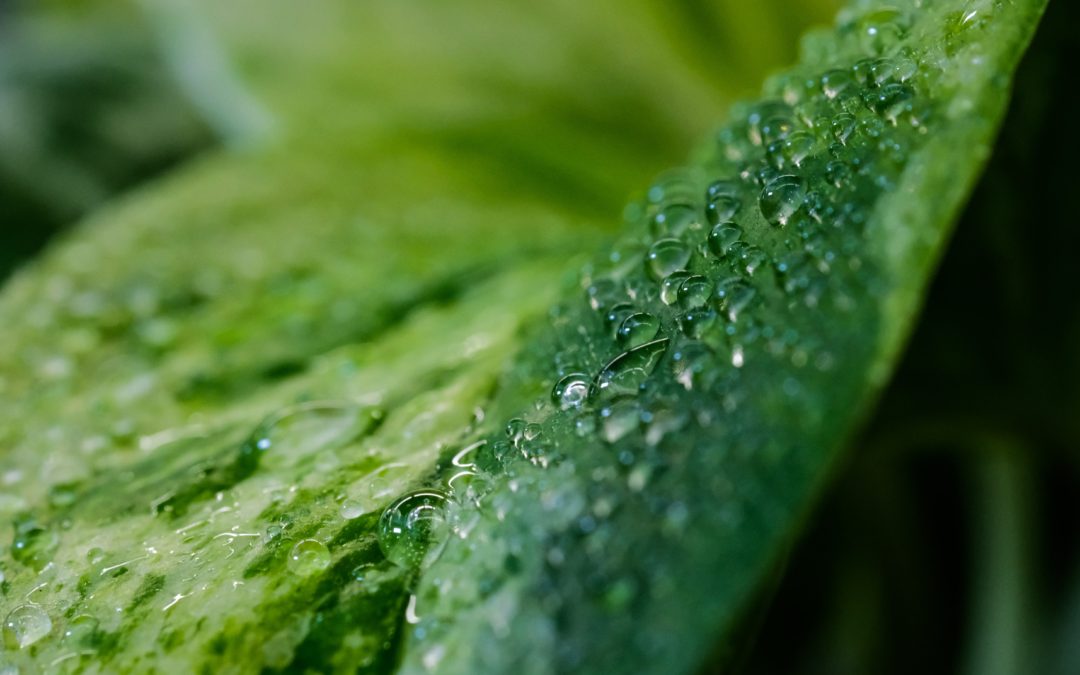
(669, 287)
(892, 101)
(674, 219)
(722, 236)
(413, 530)
(798, 146)
(351, 509)
(33, 545)
(81, 630)
(842, 125)
(308, 557)
(25, 625)
(835, 82)
(302, 430)
(571, 391)
(723, 199)
(667, 256)
(617, 314)
(628, 371)
(781, 198)
(603, 293)
(695, 291)
(637, 329)
(696, 322)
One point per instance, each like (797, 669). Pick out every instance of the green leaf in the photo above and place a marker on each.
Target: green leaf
(292, 407)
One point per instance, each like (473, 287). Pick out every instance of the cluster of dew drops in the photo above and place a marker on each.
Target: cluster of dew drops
(711, 259)
(798, 170)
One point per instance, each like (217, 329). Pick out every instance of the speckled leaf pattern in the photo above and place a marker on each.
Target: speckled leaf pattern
(382, 427)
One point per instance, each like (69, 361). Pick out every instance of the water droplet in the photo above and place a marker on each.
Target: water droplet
(696, 322)
(892, 101)
(62, 495)
(618, 419)
(798, 146)
(305, 429)
(617, 314)
(667, 256)
(637, 329)
(382, 482)
(669, 287)
(753, 258)
(671, 186)
(571, 391)
(835, 82)
(694, 291)
(722, 236)
(25, 625)
(842, 125)
(308, 557)
(351, 509)
(413, 530)
(81, 630)
(723, 200)
(602, 293)
(515, 430)
(776, 128)
(880, 29)
(733, 296)
(781, 198)
(689, 361)
(95, 555)
(628, 371)
(674, 219)
(760, 114)
(33, 545)
(837, 173)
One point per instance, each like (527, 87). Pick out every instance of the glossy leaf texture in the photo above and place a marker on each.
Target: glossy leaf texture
(464, 464)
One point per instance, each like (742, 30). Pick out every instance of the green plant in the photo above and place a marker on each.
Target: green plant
(472, 458)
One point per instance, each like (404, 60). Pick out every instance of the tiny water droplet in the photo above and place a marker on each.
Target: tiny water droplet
(308, 557)
(413, 530)
(667, 256)
(781, 198)
(25, 625)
